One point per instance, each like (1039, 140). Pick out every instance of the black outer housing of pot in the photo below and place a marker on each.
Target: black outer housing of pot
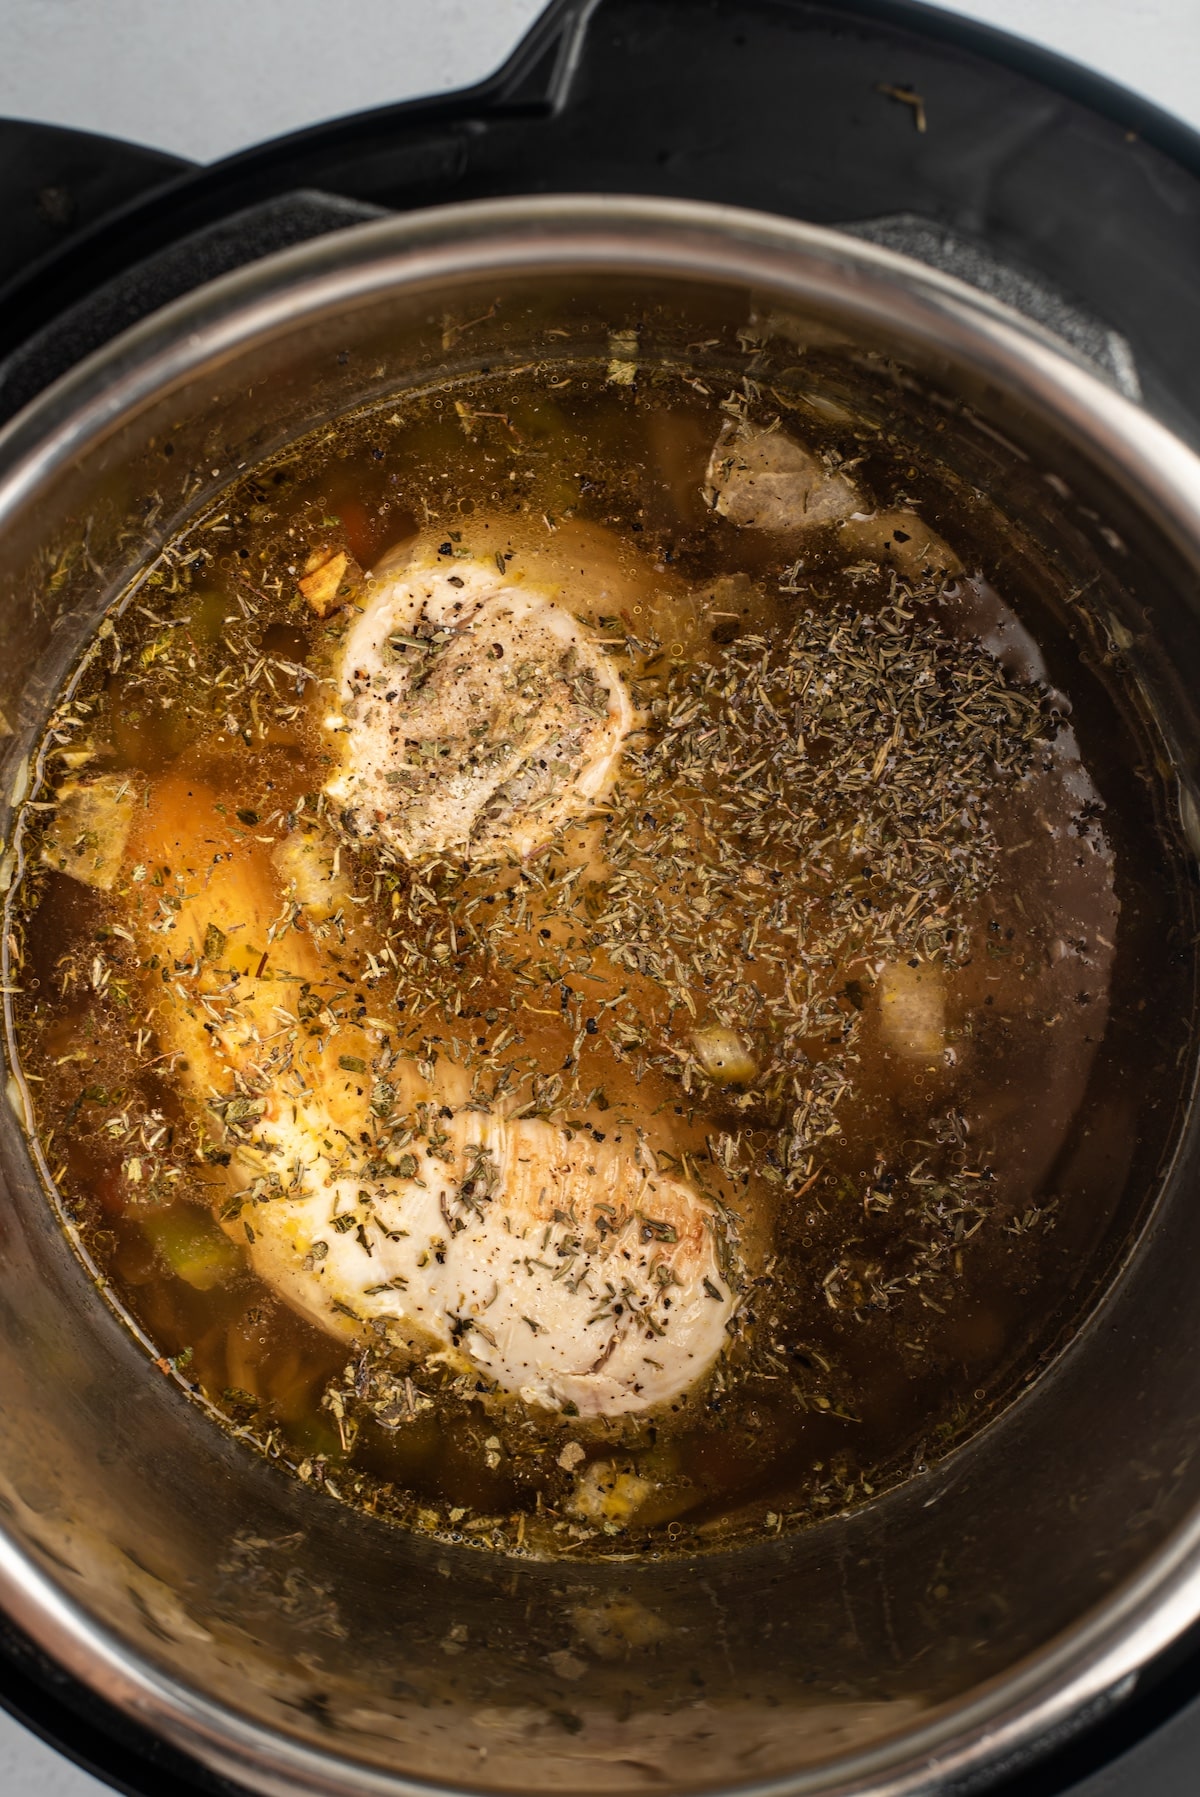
(1074, 190)
(1053, 188)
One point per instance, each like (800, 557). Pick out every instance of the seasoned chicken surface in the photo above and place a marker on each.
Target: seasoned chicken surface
(567, 1270)
(567, 1273)
(475, 713)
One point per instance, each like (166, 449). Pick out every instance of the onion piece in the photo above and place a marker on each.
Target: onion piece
(723, 1055)
(912, 1009)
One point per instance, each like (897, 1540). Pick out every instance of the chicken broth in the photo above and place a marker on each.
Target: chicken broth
(567, 954)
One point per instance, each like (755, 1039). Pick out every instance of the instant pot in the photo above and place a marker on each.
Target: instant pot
(1010, 248)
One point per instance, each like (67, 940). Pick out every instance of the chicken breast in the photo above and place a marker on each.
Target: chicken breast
(475, 713)
(372, 1197)
(565, 1274)
(765, 480)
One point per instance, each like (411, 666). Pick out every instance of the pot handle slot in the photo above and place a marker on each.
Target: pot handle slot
(215, 249)
(937, 246)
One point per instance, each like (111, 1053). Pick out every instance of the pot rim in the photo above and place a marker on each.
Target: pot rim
(1098, 1659)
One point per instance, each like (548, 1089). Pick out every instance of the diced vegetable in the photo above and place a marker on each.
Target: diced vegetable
(912, 1008)
(605, 1493)
(193, 1247)
(323, 580)
(723, 1055)
(307, 863)
(90, 830)
(764, 480)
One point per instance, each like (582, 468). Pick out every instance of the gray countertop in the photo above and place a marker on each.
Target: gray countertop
(202, 78)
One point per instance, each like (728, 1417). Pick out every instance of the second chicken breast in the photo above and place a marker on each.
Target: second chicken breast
(476, 714)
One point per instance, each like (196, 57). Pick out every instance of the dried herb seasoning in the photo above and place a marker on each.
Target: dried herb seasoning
(837, 940)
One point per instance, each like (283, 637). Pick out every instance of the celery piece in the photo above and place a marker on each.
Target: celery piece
(193, 1247)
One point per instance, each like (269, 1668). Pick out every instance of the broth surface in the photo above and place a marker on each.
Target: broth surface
(835, 951)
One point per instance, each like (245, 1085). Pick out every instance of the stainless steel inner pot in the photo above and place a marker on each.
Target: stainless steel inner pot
(295, 1645)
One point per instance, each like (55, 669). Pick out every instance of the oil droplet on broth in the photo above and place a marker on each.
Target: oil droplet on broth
(763, 1047)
